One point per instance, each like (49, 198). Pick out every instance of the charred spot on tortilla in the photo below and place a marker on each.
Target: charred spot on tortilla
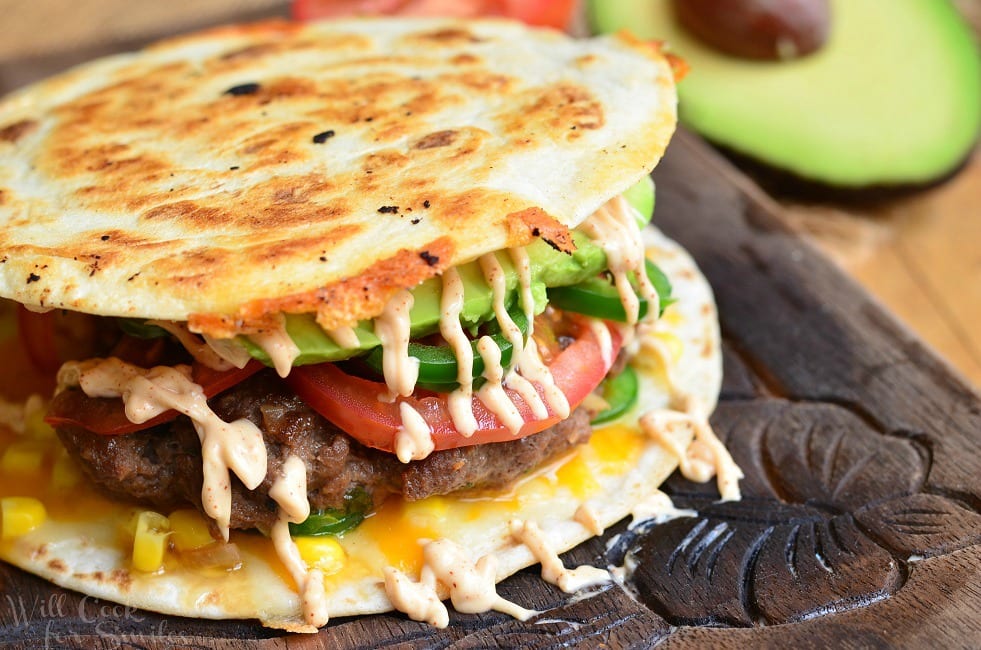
(14, 132)
(243, 89)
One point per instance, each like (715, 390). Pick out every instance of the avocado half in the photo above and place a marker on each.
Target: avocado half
(893, 97)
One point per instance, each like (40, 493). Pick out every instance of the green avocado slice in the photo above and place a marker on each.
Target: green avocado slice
(549, 268)
(894, 96)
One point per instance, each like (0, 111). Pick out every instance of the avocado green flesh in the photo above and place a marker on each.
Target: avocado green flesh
(641, 196)
(893, 97)
(549, 268)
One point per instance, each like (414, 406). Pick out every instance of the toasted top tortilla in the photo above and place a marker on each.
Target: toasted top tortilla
(223, 177)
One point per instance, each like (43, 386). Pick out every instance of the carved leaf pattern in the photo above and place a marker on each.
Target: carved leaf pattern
(831, 512)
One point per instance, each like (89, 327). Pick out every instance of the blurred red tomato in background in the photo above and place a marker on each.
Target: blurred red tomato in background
(550, 13)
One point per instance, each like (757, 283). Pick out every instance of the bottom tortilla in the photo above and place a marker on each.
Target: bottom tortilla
(83, 544)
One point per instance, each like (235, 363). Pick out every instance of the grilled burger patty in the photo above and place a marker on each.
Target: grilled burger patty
(161, 467)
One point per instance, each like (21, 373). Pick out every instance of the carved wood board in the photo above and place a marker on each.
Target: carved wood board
(860, 522)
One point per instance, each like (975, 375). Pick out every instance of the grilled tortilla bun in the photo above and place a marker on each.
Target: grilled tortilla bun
(225, 178)
(250, 170)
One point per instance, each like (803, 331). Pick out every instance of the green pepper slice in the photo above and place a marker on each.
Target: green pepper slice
(140, 329)
(334, 521)
(620, 393)
(598, 297)
(437, 363)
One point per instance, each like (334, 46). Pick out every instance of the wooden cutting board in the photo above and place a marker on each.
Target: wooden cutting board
(860, 522)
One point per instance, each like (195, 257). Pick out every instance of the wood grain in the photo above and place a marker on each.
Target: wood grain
(860, 526)
(918, 253)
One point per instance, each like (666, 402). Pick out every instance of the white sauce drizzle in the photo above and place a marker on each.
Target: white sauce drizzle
(414, 440)
(494, 274)
(532, 367)
(289, 491)
(528, 393)
(276, 342)
(418, 600)
(604, 338)
(200, 349)
(492, 393)
(706, 456)
(522, 264)
(460, 401)
(587, 516)
(237, 446)
(614, 229)
(392, 329)
(472, 585)
(553, 571)
(344, 337)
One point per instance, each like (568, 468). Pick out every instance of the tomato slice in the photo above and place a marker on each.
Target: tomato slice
(551, 13)
(107, 416)
(352, 402)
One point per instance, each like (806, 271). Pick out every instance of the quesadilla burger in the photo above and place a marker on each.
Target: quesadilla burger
(346, 317)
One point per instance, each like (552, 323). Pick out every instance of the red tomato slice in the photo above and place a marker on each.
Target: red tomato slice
(352, 402)
(107, 416)
(552, 13)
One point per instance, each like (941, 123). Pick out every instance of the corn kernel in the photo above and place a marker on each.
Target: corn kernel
(324, 553)
(65, 473)
(20, 515)
(189, 530)
(150, 541)
(22, 457)
(430, 511)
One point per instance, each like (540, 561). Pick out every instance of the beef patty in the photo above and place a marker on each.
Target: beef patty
(161, 466)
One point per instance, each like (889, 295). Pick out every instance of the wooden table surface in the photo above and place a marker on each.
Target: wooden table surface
(919, 253)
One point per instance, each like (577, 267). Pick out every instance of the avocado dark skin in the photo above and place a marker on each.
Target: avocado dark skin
(891, 99)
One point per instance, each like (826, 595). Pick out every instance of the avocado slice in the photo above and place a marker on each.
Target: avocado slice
(893, 97)
(549, 268)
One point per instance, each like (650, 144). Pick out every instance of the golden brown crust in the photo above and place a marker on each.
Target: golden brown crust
(226, 174)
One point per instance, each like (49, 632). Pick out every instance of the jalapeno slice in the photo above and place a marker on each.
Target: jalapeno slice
(620, 393)
(598, 297)
(334, 521)
(437, 363)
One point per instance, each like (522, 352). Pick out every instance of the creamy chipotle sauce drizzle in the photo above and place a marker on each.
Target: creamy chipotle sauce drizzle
(472, 586)
(553, 571)
(392, 329)
(707, 456)
(289, 491)
(344, 337)
(460, 400)
(225, 446)
(276, 342)
(614, 229)
(414, 441)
